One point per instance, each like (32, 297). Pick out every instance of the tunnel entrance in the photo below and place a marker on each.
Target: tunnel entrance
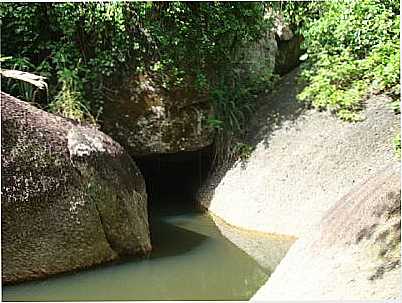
(190, 258)
(172, 180)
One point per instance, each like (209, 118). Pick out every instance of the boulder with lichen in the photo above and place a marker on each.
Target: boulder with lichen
(71, 196)
(146, 118)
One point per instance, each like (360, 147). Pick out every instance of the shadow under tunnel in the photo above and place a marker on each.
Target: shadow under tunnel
(172, 180)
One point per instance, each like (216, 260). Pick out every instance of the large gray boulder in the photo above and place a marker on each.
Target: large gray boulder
(71, 197)
(353, 254)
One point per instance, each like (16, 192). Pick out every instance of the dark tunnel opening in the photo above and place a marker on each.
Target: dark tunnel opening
(172, 180)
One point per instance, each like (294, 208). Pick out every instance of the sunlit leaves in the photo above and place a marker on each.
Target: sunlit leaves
(353, 49)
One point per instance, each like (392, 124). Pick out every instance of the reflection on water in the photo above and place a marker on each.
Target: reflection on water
(191, 261)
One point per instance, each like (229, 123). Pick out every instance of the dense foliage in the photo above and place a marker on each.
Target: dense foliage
(83, 48)
(353, 50)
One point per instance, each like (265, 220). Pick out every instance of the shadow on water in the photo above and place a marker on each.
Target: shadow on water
(190, 260)
(171, 240)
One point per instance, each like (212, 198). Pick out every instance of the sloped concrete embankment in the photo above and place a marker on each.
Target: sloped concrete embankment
(304, 162)
(354, 253)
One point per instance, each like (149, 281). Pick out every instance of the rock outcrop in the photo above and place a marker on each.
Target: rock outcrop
(304, 161)
(288, 54)
(257, 59)
(146, 118)
(353, 254)
(288, 45)
(71, 197)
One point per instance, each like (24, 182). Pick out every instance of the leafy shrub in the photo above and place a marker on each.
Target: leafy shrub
(244, 150)
(17, 88)
(353, 49)
(85, 48)
(397, 145)
(69, 101)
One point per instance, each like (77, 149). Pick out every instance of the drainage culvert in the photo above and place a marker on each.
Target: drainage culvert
(191, 260)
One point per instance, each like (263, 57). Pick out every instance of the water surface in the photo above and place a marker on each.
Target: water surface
(191, 261)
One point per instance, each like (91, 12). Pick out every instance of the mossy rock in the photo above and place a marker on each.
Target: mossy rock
(289, 52)
(147, 118)
(71, 196)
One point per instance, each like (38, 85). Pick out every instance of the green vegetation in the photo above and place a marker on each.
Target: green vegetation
(244, 150)
(353, 50)
(84, 49)
(397, 144)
